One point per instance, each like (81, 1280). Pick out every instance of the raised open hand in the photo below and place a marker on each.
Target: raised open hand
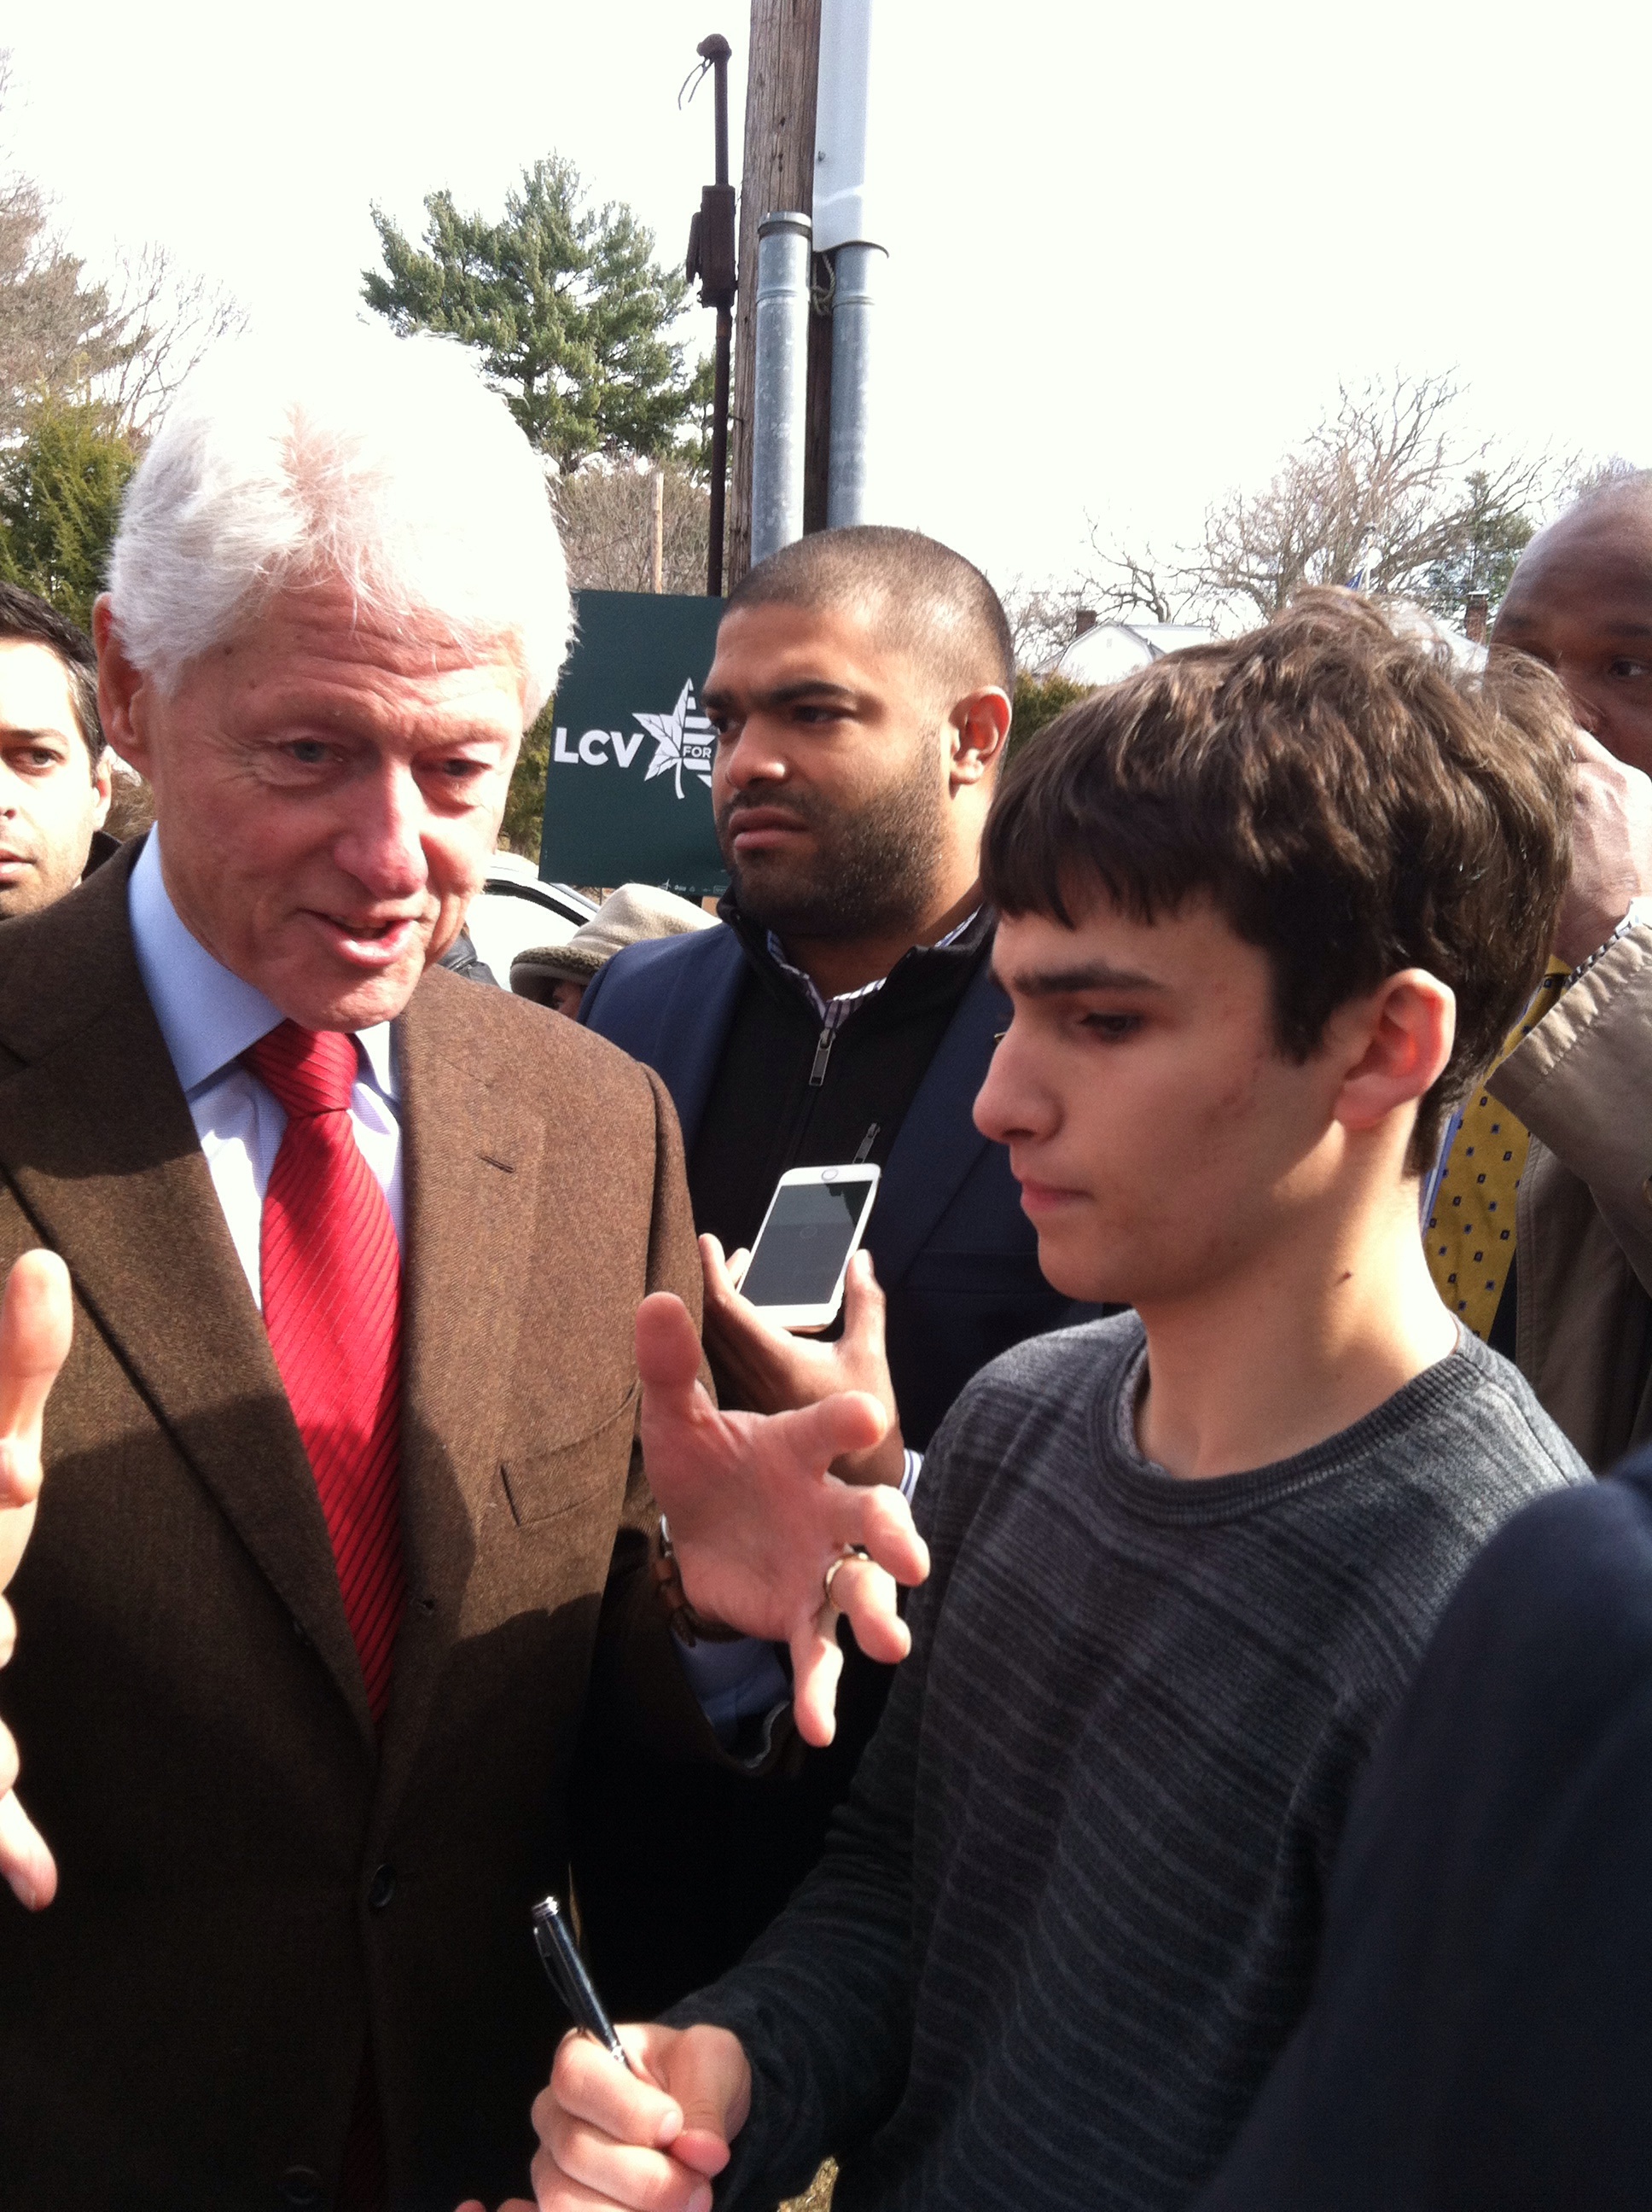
(1611, 849)
(774, 1370)
(35, 1323)
(757, 1519)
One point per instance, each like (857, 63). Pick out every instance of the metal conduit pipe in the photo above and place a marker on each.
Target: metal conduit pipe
(853, 297)
(780, 403)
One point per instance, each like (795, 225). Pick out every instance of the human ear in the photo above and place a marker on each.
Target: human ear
(980, 724)
(1399, 1039)
(103, 783)
(119, 684)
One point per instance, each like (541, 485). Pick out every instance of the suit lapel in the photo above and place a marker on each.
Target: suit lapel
(471, 1148)
(96, 1139)
(938, 1144)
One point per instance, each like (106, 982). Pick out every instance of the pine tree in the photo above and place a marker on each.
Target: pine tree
(60, 491)
(564, 302)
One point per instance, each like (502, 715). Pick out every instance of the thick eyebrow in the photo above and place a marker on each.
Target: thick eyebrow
(10, 737)
(786, 695)
(1094, 975)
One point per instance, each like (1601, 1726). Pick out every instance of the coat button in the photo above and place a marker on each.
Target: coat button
(300, 2187)
(383, 1888)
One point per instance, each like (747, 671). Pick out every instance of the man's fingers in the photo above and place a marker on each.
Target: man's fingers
(719, 1285)
(36, 1323)
(866, 1596)
(668, 1354)
(21, 1473)
(879, 1521)
(586, 2085)
(848, 1421)
(863, 1307)
(8, 1633)
(816, 1664)
(586, 2160)
(25, 1863)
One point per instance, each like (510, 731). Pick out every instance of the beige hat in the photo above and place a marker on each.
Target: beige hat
(627, 916)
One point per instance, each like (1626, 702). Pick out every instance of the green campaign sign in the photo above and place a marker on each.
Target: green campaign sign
(628, 791)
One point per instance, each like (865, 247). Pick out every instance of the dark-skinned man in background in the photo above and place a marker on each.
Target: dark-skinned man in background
(54, 764)
(861, 696)
(1550, 1242)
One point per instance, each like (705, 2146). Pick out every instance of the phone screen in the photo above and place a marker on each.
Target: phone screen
(805, 1242)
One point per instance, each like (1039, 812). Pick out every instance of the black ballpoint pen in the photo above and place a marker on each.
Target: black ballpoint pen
(570, 1977)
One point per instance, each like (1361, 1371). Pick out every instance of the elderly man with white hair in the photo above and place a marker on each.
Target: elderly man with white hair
(343, 1536)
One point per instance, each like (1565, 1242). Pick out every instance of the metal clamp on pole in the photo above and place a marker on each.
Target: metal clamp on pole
(780, 407)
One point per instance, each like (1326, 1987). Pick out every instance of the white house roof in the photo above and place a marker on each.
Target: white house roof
(1110, 650)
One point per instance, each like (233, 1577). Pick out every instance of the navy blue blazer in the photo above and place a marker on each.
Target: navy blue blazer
(1480, 2034)
(958, 1258)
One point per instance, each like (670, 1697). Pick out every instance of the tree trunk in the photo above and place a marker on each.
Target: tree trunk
(778, 175)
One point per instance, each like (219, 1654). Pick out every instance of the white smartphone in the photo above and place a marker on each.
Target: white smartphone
(811, 1232)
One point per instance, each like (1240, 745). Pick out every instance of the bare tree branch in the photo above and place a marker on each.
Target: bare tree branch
(125, 346)
(608, 529)
(170, 321)
(1379, 493)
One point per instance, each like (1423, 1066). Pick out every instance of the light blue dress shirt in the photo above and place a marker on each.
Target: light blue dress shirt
(208, 1018)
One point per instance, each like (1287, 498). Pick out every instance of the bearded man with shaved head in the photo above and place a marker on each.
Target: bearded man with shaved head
(1566, 1283)
(845, 1009)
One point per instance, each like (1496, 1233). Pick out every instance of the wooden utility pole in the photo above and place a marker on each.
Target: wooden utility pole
(656, 530)
(782, 68)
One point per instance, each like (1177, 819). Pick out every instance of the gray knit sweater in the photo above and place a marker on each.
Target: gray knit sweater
(1070, 1913)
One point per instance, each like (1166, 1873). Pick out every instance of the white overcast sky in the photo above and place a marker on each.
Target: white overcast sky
(1132, 251)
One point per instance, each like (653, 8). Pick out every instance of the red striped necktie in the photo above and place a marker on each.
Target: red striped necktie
(330, 1269)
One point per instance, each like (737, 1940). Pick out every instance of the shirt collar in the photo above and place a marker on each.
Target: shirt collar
(208, 1015)
(834, 1011)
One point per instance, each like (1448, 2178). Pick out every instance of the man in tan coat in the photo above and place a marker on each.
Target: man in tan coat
(342, 1539)
(1582, 1080)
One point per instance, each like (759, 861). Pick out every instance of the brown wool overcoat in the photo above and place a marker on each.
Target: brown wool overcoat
(253, 1891)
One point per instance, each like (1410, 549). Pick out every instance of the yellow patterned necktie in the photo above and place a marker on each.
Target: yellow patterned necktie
(1471, 1228)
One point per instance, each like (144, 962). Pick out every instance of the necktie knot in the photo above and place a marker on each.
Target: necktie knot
(309, 1070)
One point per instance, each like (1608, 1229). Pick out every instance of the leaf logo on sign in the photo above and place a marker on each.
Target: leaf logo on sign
(683, 740)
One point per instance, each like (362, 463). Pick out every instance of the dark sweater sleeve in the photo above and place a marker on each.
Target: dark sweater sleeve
(823, 2001)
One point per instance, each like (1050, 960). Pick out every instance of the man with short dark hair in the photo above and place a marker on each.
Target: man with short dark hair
(1267, 908)
(54, 766)
(1540, 1232)
(846, 1010)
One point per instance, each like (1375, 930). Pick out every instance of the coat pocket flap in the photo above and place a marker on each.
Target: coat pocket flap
(542, 1481)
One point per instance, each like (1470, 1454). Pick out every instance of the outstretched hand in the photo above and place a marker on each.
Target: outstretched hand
(756, 1519)
(35, 1324)
(774, 1370)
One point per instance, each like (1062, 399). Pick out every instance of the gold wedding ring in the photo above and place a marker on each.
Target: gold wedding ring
(849, 1552)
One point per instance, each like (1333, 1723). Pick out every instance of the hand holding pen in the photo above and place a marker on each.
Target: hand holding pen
(649, 2134)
